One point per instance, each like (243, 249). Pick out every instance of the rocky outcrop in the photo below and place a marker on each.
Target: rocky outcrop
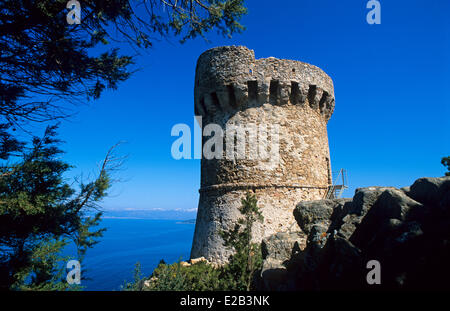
(277, 250)
(406, 230)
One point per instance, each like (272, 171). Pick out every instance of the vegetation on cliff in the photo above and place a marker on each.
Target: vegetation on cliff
(238, 273)
(446, 162)
(40, 213)
(46, 65)
(199, 275)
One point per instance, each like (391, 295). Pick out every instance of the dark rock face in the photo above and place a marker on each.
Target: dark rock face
(323, 212)
(277, 250)
(407, 231)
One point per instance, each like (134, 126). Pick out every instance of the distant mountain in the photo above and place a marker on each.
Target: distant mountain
(189, 221)
(172, 214)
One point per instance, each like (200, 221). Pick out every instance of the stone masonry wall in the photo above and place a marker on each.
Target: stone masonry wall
(233, 88)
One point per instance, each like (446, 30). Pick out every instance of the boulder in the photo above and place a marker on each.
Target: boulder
(390, 204)
(431, 191)
(185, 264)
(320, 212)
(281, 246)
(277, 251)
(197, 260)
(406, 230)
(274, 275)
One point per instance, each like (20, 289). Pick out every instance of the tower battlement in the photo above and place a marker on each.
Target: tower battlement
(233, 88)
(229, 78)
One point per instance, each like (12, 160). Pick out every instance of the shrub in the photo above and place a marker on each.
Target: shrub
(176, 277)
(446, 162)
(246, 260)
(237, 274)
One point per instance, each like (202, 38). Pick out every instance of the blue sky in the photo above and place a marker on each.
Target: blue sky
(391, 122)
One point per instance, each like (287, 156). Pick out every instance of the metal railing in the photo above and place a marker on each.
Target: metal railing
(335, 190)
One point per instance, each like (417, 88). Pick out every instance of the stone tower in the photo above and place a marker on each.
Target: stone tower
(234, 88)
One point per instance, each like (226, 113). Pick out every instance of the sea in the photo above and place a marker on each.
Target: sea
(111, 262)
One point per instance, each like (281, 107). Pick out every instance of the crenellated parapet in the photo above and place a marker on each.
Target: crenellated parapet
(230, 78)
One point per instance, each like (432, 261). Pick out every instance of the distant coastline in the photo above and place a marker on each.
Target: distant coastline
(189, 221)
(182, 215)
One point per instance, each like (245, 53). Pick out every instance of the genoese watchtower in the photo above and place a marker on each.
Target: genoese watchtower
(292, 98)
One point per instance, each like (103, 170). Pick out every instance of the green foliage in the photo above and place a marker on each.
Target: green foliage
(200, 276)
(222, 15)
(237, 274)
(247, 258)
(446, 162)
(44, 271)
(137, 283)
(45, 62)
(169, 277)
(196, 277)
(40, 213)
(43, 57)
